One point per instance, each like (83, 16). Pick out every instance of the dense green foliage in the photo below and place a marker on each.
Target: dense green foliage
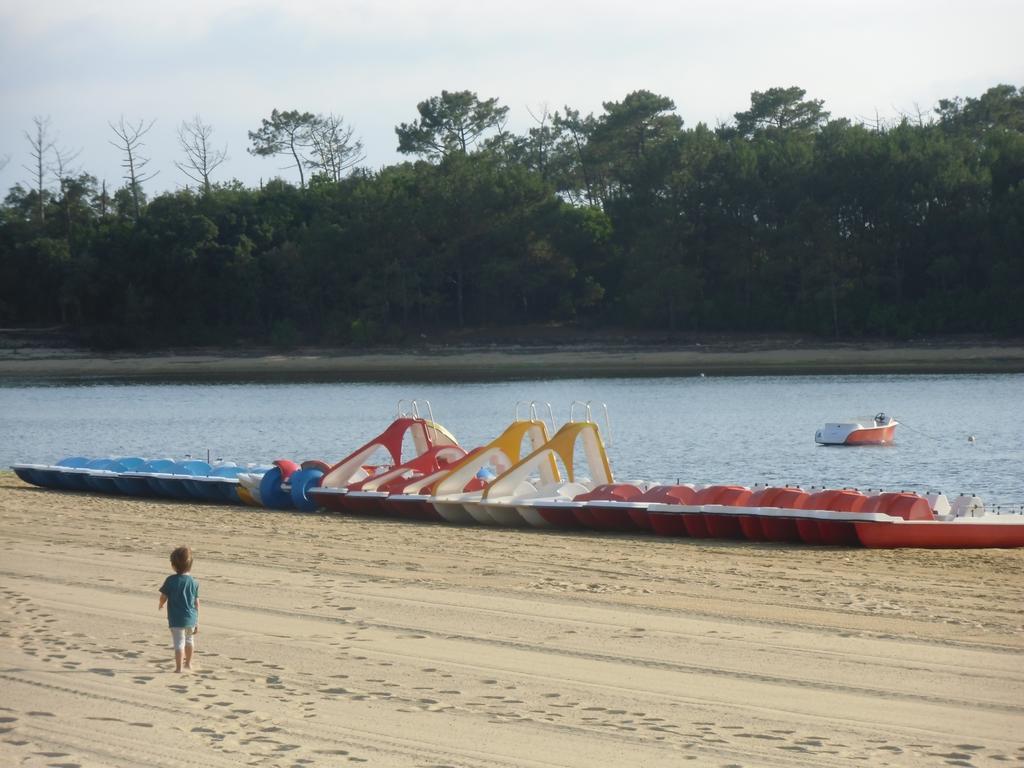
(784, 220)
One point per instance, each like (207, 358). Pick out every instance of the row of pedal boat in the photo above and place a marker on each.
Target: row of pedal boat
(186, 480)
(528, 477)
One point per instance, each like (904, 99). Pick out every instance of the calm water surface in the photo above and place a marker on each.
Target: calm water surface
(701, 430)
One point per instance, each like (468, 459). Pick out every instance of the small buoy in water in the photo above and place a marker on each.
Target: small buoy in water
(970, 438)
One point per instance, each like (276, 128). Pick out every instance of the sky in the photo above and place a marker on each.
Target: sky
(84, 64)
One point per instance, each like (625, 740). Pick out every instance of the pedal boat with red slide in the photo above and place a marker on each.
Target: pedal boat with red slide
(368, 496)
(406, 438)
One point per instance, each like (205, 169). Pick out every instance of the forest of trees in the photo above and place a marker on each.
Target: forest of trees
(785, 219)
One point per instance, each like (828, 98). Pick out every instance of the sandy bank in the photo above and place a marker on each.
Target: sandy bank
(525, 362)
(326, 640)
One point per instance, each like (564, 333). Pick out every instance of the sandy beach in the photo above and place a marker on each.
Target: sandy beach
(504, 360)
(330, 640)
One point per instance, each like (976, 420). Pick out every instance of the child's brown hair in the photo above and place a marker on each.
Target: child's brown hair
(181, 559)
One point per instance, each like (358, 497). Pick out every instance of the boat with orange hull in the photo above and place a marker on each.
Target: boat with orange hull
(639, 509)
(995, 531)
(834, 532)
(689, 518)
(763, 527)
(843, 517)
(881, 430)
(605, 508)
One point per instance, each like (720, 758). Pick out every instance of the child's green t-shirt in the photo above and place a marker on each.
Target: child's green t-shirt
(182, 592)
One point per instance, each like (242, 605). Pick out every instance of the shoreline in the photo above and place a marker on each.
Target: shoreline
(494, 362)
(404, 644)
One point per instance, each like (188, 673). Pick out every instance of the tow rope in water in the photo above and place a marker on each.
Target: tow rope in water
(970, 438)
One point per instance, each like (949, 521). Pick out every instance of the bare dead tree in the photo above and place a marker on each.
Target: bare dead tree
(62, 160)
(542, 137)
(922, 118)
(916, 116)
(61, 168)
(334, 150)
(503, 138)
(134, 164)
(876, 123)
(201, 158)
(40, 146)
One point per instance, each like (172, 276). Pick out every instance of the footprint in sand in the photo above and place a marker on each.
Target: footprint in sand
(952, 756)
(810, 743)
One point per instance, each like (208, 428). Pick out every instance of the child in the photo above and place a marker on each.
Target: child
(181, 594)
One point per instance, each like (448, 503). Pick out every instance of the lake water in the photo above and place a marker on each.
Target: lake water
(701, 430)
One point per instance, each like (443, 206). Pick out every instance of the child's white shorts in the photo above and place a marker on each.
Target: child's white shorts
(182, 636)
